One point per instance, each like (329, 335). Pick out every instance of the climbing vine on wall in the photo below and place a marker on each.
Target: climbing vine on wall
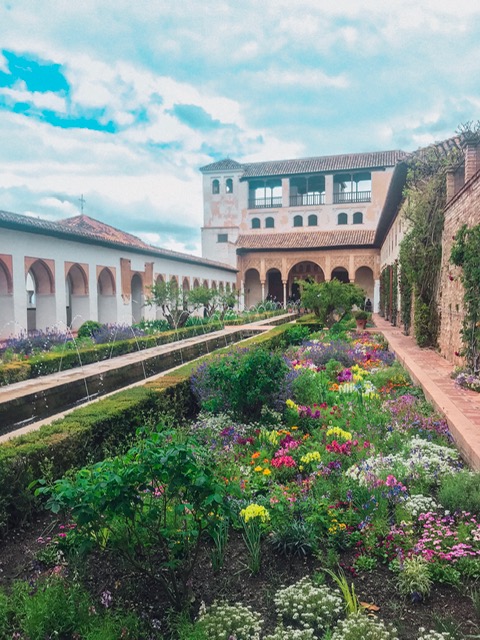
(420, 250)
(465, 254)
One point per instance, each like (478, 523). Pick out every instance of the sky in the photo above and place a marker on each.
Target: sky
(124, 101)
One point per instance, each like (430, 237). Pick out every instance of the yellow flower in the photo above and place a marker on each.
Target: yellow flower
(291, 404)
(311, 456)
(266, 472)
(254, 511)
(340, 433)
(259, 468)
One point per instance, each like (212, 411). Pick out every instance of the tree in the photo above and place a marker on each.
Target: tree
(330, 301)
(172, 302)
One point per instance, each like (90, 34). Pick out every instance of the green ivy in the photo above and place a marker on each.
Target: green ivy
(420, 250)
(465, 252)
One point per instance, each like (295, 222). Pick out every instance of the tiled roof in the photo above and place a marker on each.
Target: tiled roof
(222, 165)
(85, 229)
(439, 149)
(347, 162)
(307, 239)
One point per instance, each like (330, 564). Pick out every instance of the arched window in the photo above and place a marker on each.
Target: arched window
(312, 220)
(215, 186)
(298, 221)
(228, 185)
(269, 223)
(255, 223)
(358, 217)
(342, 218)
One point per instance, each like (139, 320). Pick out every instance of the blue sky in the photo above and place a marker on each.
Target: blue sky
(124, 101)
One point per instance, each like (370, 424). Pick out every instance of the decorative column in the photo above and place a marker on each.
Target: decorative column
(284, 282)
(263, 290)
(376, 296)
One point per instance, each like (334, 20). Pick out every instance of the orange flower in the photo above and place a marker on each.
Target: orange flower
(255, 455)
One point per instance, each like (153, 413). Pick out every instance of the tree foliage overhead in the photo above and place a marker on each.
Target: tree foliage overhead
(330, 301)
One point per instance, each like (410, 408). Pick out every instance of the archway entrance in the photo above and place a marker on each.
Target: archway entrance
(106, 299)
(305, 270)
(137, 298)
(253, 288)
(76, 296)
(364, 279)
(341, 274)
(40, 291)
(7, 326)
(274, 286)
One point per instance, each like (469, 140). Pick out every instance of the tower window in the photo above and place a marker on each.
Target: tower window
(222, 237)
(298, 221)
(228, 185)
(215, 186)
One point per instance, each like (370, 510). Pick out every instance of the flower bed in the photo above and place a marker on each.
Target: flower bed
(323, 457)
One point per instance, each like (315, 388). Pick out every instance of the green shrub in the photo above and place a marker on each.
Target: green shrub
(88, 328)
(414, 578)
(151, 505)
(310, 387)
(14, 372)
(241, 382)
(461, 492)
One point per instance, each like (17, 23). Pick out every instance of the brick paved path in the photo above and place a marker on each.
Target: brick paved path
(461, 407)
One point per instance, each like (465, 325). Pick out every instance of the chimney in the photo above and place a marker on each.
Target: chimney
(471, 159)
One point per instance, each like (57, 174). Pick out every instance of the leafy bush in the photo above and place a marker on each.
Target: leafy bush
(414, 578)
(293, 538)
(310, 387)
(14, 372)
(461, 492)
(241, 382)
(151, 505)
(88, 329)
(359, 627)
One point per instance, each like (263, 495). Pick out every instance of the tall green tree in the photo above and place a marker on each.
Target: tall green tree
(330, 301)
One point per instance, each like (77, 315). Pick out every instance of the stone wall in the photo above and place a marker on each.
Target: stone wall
(463, 208)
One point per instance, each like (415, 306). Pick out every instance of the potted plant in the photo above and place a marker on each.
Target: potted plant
(361, 318)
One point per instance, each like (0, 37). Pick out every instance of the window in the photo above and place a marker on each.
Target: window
(215, 186)
(269, 223)
(358, 217)
(298, 221)
(342, 218)
(228, 185)
(222, 237)
(312, 220)
(255, 223)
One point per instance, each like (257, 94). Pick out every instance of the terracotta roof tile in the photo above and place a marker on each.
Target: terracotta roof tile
(85, 229)
(307, 239)
(317, 164)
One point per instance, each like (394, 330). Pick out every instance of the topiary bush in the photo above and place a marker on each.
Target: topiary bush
(89, 328)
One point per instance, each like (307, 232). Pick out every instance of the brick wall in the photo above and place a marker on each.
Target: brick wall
(464, 208)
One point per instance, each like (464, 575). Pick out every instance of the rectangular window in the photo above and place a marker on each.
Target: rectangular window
(222, 237)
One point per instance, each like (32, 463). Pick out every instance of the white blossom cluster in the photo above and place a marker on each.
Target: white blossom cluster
(418, 503)
(433, 635)
(289, 633)
(308, 606)
(420, 457)
(222, 621)
(359, 627)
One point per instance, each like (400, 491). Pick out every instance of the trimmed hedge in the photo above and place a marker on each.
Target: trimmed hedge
(94, 431)
(52, 362)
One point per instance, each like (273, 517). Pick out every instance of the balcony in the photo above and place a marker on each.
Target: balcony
(307, 199)
(352, 196)
(265, 203)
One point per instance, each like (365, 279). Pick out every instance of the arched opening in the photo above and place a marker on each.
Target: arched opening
(364, 278)
(214, 285)
(228, 185)
(265, 194)
(106, 297)
(215, 186)
(358, 217)
(306, 270)
(7, 326)
(255, 223)
(274, 286)
(297, 221)
(342, 218)
(76, 296)
(341, 274)
(185, 291)
(269, 222)
(253, 288)
(312, 220)
(196, 283)
(158, 312)
(41, 311)
(137, 298)
(220, 287)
